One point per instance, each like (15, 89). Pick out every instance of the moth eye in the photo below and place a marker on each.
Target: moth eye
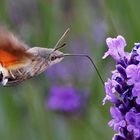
(53, 58)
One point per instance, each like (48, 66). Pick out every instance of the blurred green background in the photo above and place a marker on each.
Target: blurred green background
(23, 113)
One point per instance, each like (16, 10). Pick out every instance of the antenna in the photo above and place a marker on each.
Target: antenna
(89, 58)
(58, 44)
(59, 47)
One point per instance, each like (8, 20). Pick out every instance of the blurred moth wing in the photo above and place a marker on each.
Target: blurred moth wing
(13, 54)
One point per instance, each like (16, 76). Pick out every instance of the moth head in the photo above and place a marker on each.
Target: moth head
(54, 57)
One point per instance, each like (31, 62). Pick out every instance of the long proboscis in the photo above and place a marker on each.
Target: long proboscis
(89, 58)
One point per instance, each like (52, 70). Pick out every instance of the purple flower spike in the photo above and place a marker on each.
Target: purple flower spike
(116, 47)
(123, 90)
(64, 99)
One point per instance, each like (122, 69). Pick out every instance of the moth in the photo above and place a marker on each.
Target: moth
(19, 62)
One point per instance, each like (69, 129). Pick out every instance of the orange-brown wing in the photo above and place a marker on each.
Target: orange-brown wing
(13, 52)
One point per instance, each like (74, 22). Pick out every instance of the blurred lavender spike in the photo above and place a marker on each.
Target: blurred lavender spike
(66, 99)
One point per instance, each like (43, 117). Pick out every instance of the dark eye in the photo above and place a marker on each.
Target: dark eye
(53, 58)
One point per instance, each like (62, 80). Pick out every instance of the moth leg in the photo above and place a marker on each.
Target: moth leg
(4, 81)
(5, 74)
(19, 71)
(11, 74)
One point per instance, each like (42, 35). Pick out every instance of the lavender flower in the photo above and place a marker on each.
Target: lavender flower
(64, 99)
(123, 90)
(116, 47)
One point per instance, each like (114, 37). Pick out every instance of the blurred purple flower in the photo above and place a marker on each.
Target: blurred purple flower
(123, 90)
(65, 99)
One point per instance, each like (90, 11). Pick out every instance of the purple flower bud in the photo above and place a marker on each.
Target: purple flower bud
(109, 92)
(136, 90)
(133, 74)
(138, 120)
(118, 119)
(116, 47)
(121, 70)
(138, 52)
(130, 118)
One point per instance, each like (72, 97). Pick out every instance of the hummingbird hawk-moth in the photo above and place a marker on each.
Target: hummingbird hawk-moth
(19, 62)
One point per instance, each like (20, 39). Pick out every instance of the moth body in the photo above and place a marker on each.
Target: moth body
(38, 64)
